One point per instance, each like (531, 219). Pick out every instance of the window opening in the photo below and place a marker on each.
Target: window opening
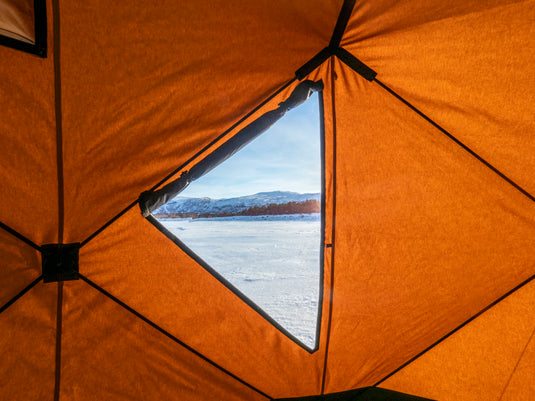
(23, 25)
(256, 219)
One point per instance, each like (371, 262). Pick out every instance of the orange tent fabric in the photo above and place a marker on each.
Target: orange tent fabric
(429, 198)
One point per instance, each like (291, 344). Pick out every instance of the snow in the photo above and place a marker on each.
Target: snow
(273, 260)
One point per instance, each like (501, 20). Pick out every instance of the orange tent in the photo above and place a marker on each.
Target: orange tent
(429, 198)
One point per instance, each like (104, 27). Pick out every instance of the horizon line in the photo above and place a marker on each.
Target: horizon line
(243, 196)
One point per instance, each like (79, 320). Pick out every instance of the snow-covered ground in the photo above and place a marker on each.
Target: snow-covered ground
(272, 260)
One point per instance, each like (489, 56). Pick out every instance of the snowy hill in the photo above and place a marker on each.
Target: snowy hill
(182, 205)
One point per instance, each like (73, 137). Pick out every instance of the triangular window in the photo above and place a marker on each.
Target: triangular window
(256, 222)
(23, 25)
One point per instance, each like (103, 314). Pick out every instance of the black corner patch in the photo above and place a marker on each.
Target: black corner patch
(60, 262)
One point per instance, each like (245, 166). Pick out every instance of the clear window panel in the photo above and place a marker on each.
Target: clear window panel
(256, 219)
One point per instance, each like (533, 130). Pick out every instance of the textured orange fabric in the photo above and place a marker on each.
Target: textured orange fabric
(28, 345)
(486, 359)
(426, 236)
(230, 328)
(108, 353)
(520, 385)
(466, 64)
(20, 266)
(28, 144)
(143, 268)
(140, 102)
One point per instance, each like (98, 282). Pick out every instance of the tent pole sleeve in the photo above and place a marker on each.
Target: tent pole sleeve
(152, 200)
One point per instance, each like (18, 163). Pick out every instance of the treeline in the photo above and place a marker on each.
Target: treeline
(308, 206)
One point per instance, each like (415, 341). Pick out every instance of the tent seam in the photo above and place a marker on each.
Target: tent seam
(20, 294)
(191, 159)
(333, 234)
(59, 324)
(516, 365)
(18, 235)
(338, 33)
(59, 164)
(171, 336)
(59, 122)
(456, 140)
(449, 334)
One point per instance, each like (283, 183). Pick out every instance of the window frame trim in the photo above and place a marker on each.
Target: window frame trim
(39, 48)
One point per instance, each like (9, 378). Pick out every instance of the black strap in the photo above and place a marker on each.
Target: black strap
(355, 64)
(341, 23)
(313, 63)
(39, 8)
(19, 236)
(59, 330)
(59, 118)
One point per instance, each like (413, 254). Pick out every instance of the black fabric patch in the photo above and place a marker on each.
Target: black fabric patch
(361, 394)
(60, 262)
(314, 63)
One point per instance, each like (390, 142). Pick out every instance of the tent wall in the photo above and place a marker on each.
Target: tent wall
(464, 63)
(28, 143)
(220, 326)
(188, 79)
(493, 356)
(430, 213)
(128, 359)
(28, 345)
(426, 235)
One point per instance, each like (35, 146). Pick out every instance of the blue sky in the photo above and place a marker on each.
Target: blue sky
(284, 158)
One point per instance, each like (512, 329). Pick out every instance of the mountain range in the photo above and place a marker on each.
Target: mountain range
(198, 206)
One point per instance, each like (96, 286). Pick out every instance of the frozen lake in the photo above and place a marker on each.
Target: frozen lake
(273, 260)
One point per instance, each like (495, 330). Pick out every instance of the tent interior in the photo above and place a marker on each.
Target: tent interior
(109, 109)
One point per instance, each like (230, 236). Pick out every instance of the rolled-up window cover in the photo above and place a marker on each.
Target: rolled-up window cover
(152, 200)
